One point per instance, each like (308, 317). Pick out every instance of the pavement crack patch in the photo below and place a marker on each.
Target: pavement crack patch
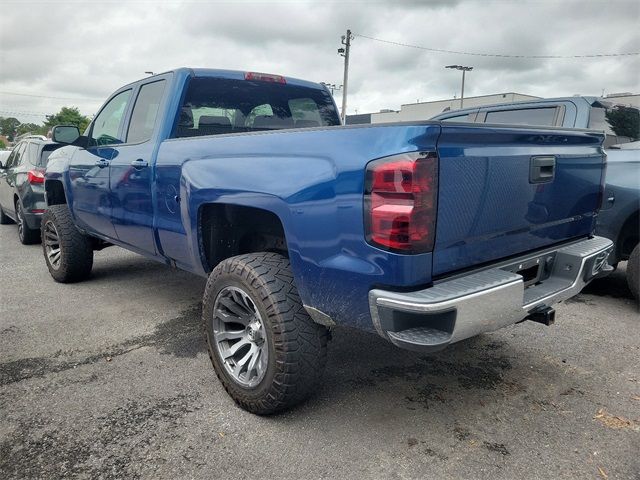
(179, 336)
(616, 422)
(497, 448)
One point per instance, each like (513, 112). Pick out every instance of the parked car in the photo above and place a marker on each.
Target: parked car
(22, 186)
(425, 233)
(569, 112)
(619, 219)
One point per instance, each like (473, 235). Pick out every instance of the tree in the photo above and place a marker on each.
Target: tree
(3, 146)
(8, 127)
(31, 128)
(68, 116)
(624, 121)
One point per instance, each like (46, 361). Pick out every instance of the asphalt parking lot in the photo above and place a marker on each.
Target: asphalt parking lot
(110, 379)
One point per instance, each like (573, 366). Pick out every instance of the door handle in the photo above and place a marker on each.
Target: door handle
(542, 169)
(101, 162)
(139, 163)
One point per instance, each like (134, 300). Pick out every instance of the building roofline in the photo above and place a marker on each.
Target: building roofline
(468, 98)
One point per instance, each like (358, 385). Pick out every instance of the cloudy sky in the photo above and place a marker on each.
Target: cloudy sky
(75, 53)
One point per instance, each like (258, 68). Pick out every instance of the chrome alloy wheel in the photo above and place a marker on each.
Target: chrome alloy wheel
(239, 336)
(52, 244)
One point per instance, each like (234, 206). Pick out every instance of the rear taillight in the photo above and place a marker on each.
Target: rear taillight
(35, 176)
(400, 198)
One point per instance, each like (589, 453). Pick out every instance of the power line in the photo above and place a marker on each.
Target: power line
(28, 114)
(44, 96)
(499, 55)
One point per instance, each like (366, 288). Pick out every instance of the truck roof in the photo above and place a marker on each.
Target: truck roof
(230, 74)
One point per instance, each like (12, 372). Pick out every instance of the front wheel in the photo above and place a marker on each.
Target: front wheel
(633, 272)
(265, 349)
(68, 253)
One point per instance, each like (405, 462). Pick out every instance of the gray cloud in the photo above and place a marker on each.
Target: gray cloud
(86, 50)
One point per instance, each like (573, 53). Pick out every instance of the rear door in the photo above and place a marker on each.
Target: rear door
(131, 169)
(506, 191)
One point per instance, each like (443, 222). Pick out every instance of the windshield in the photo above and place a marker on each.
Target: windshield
(214, 106)
(620, 123)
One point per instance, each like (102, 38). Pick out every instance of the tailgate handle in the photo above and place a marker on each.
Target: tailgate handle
(542, 169)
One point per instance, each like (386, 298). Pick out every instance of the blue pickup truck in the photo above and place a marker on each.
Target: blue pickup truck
(427, 233)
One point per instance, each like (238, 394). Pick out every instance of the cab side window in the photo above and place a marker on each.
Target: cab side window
(107, 125)
(145, 112)
(524, 116)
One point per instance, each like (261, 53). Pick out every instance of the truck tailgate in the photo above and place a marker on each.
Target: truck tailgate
(506, 191)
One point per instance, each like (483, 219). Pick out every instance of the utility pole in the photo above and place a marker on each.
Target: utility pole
(346, 41)
(464, 70)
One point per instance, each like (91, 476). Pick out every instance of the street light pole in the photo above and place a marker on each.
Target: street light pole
(346, 41)
(464, 70)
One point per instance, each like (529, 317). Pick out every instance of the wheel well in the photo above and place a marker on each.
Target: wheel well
(55, 192)
(629, 236)
(229, 230)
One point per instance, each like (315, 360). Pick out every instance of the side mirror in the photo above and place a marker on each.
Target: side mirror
(1, 166)
(66, 134)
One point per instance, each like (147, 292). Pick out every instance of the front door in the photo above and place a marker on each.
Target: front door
(89, 168)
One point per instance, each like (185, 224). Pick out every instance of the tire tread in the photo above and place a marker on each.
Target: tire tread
(76, 259)
(300, 344)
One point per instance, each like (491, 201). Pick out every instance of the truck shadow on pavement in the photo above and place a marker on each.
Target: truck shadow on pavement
(479, 363)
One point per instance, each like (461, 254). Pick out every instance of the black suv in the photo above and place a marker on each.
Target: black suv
(22, 187)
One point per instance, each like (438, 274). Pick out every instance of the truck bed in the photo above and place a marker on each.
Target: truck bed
(313, 179)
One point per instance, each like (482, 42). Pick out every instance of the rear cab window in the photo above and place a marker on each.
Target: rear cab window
(214, 106)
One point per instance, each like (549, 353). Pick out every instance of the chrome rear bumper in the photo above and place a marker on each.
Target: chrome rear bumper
(483, 301)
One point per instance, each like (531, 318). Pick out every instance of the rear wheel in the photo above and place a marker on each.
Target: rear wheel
(265, 349)
(633, 272)
(26, 235)
(4, 219)
(68, 253)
